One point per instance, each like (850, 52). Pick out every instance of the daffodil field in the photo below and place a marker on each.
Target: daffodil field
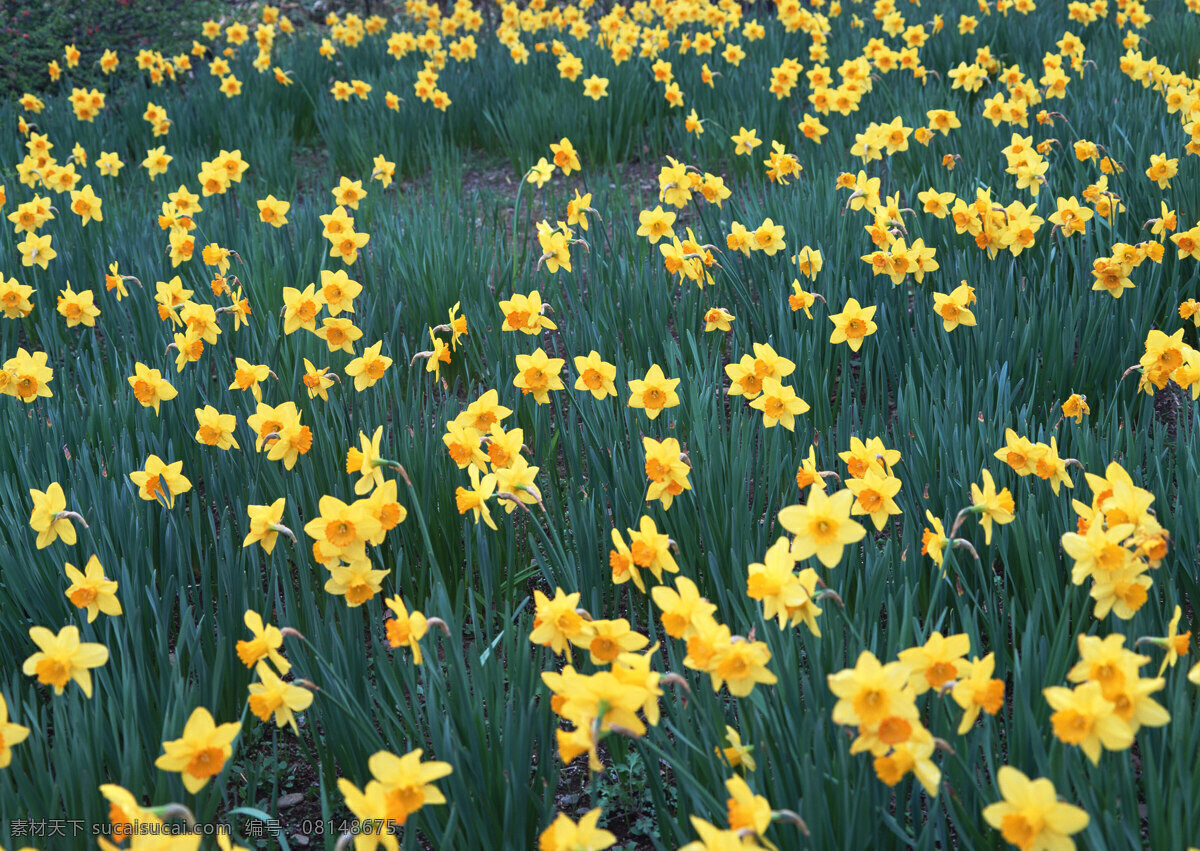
(575, 426)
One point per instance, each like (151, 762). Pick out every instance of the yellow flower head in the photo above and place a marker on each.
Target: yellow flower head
(10, 734)
(654, 393)
(853, 324)
(1030, 814)
(92, 590)
(62, 658)
(201, 752)
(822, 526)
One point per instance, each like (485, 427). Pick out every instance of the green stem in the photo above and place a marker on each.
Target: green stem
(852, 626)
(556, 545)
(355, 711)
(274, 764)
(516, 209)
(416, 507)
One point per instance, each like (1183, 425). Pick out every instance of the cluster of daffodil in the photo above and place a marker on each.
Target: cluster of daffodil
(628, 35)
(344, 240)
(1178, 92)
(1111, 701)
(610, 701)
(786, 595)
(26, 375)
(236, 34)
(204, 747)
(1025, 457)
(41, 169)
(161, 69)
(426, 85)
(62, 658)
(1169, 359)
(271, 696)
(556, 243)
(735, 661)
(566, 159)
(993, 227)
(615, 700)
(667, 467)
(476, 440)
(441, 351)
(87, 103)
(1117, 542)
(399, 786)
(768, 238)
(758, 379)
(538, 374)
(679, 184)
(871, 480)
(342, 531)
(822, 527)
(881, 702)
